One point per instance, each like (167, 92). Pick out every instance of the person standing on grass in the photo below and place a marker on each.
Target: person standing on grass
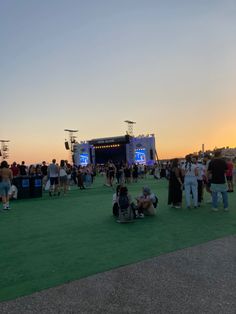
(119, 172)
(80, 179)
(229, 175)
(175, 185)
(23, 169)
(135, 173)
(156, 172)
(234, 171)
(207, 179)
(201, 172)
(44, 171)
(53, 175)
(63, 177)
(127, 173)
(190, 173)
(217, 171)
(111, 172)
(5, 184)
(14, 169)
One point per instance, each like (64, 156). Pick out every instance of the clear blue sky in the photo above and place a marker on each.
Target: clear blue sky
(168, 65)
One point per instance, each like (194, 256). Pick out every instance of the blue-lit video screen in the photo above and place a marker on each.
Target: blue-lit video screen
(84, 159)
(140, 156)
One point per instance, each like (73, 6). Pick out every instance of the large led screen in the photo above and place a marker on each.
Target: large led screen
(84, 159)
(140, 156)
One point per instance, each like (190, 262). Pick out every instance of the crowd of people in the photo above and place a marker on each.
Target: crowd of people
(58, 177)
(193, 176)
(122, 172)
(215, 174)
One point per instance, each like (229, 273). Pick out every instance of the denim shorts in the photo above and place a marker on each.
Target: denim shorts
(4, 188)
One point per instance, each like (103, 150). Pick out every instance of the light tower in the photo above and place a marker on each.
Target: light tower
(72, 140)
(130, 132)
(4, 149)
(130, 127)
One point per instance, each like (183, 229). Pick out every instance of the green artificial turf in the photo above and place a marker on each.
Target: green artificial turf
(49, 241)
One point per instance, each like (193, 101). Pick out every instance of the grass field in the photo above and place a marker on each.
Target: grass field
(49, 241)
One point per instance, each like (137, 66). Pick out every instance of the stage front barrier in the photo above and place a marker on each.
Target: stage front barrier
(36, 189)
(28, 187)
(23, 186)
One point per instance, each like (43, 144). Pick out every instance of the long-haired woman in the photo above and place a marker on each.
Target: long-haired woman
(5, 183)
(190, 173)
(175, 185)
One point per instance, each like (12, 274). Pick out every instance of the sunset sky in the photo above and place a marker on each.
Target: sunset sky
(169, 65)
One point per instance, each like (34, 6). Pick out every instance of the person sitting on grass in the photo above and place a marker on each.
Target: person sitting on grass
(115, 206)
(147, 203)
(125, 210)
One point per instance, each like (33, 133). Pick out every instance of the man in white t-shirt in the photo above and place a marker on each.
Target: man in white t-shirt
(53, 175)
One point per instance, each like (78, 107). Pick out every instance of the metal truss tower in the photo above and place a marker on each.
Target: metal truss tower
(130, 132)
(69, 144)
(4, 152)
(130, 125)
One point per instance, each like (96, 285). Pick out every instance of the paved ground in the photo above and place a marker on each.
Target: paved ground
(201, 279)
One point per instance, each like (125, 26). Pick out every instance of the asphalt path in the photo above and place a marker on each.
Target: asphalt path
(200, 279)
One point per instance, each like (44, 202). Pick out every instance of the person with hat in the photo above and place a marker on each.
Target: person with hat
(146, 203)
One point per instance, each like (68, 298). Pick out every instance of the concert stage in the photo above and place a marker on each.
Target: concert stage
(140, 149)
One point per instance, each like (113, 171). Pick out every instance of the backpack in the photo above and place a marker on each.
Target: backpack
(123, 201)
(125, 211)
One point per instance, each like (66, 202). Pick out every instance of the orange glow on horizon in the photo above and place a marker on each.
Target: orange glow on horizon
(164, 152)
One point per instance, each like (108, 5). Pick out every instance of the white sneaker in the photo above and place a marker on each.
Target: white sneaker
(226, 209)
(214, 209)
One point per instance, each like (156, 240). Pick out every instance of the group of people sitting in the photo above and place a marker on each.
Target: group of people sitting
(126, 210)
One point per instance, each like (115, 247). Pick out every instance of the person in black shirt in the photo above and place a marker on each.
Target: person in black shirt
(111, 173)
(44, 171)
(22, 169)
(217, 172)
(175, 185)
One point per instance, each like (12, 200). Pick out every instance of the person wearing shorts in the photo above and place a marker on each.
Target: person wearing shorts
(5, 184)
(111, 173)
(53, 174)
(63, 177)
